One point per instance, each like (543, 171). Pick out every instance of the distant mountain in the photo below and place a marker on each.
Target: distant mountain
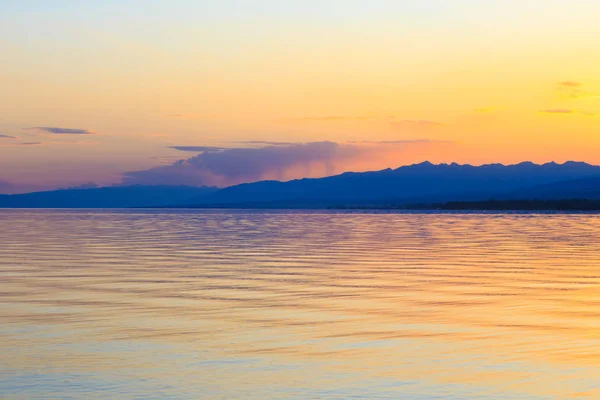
(582, 188)
(521, 205)
(423, 182)
(107, 197)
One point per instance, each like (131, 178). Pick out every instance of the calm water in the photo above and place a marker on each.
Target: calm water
(250, 305)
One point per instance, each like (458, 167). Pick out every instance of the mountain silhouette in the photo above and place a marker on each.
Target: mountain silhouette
(107, 197)
(424, 182)
(582, 188)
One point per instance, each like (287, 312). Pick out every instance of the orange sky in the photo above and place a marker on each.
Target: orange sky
(481, 81)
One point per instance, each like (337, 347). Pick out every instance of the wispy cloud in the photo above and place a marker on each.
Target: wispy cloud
(415, 125)
(254, 143)
(567, 111)
(330, 118)
(573, 90)
(20, 144)
(62, 131)
(420, 122)
(265, 142)
(394, 121)
(182, 116)
(569, 84)
(6, 187)
(558, 111)
(401, 141)
(7, 137)
(486, 110)
(55, 143)
(76, 142)
(165, 160)
(197, 148)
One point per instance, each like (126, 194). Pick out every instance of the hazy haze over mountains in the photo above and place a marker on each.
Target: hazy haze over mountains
(424, 182)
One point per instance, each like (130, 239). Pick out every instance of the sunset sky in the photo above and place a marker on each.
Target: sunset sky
(222, 92)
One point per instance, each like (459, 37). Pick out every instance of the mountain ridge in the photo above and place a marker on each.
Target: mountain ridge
(106, 197)
(411, 184)
(417, 182)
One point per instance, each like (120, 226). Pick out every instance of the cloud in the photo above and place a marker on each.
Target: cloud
(77, 142)
(394, 121)
(63, 131)
(486, 110)
(415, 125)
(569, 111)
(281, 162)
(181, 116)
(330, 118)
(405, 141)
(241, 164)
(569, 84)
(7, 137)
(197, 148)
(202, 149)
(573, 90)
(266, 142)
(558, 111)
(165, 160)
(20, 144)
(420, 122)
(6, 187)
(87, 185)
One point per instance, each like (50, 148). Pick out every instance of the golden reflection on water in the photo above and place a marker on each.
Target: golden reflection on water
(220, 305)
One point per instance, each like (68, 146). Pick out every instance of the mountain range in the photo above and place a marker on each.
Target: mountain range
(418, 183)
(107, 197)
(413, 184)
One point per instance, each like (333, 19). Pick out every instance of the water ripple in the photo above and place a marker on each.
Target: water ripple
(270, 305)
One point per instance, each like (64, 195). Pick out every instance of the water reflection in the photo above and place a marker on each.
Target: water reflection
(220, 305)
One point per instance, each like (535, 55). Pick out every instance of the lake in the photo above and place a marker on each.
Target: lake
(185, 304)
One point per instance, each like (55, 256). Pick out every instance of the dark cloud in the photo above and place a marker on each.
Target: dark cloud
(7, 137)
(238, 165)
(197, 148)
(63, 131)
(558, 111)
(280, 162)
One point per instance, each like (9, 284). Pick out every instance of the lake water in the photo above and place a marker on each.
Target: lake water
(258, 305)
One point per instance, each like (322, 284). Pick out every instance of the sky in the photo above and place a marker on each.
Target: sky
(224, 92)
